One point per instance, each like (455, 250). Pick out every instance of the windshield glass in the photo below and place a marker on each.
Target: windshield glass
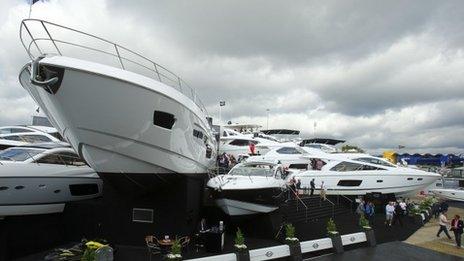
(256, 170)
(375, 161)
(18, 154)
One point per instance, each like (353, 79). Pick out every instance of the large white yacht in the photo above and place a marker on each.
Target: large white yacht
(360, 174)
(41, 178)
(11, 136)
(249, 188)
(133, 119)
(349, 173)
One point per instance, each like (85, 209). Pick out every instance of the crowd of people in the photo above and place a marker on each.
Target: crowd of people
(367, 210)
(227, 161)
(456, 225)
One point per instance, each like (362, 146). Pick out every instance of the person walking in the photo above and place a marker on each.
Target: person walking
(292, 186)
(360, 210)
(298, 186)
(313, 187)
(323, 191)
(389, 210)
(404, 208)
(370, 211)
(398, 214)
(457, 228)
(443, 222)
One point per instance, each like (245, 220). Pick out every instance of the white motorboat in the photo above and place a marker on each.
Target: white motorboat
(238, 144)
(11, 136)
(360, 174)
(249, 188)
(123, 122)
(42, 178)
(449, 193)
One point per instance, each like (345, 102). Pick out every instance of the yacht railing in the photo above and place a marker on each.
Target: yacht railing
(34, 48)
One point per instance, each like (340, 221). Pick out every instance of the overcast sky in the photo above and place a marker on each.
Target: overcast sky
(376, 73)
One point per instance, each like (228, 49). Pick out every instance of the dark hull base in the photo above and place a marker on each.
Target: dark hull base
(175, 201)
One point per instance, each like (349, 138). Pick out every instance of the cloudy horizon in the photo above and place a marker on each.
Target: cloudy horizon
(377, 74)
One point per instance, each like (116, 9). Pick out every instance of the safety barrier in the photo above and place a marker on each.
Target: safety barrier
(335, 242)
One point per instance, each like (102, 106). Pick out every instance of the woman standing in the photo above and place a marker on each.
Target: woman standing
(457, 227)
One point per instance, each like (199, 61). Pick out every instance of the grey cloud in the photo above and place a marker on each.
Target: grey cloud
(285, 33)
(377, 73)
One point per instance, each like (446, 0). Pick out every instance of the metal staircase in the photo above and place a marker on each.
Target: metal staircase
(313, 208)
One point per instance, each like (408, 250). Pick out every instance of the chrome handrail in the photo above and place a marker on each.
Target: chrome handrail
(159, 73)
(297, 196)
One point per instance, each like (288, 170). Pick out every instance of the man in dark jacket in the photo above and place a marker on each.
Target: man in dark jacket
(313, 186)
(398, 214)
(457, 227)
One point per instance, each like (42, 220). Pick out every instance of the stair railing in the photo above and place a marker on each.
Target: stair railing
(346, 198)
(333, 206)
(297, 196)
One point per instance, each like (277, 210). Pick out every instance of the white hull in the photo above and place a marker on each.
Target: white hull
(27, 189)
(240, 208)
(450, 194)
(107, 115)
(398, 184)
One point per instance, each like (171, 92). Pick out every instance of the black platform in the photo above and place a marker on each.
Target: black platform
(346, 223)
(397, 251)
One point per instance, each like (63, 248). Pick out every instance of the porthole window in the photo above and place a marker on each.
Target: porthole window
(3, 188)
(420, 179)
(57, 191)
(19, 187)
(409, 178)
(163, 119)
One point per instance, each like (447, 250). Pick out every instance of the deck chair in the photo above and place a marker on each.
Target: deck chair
(153, 247)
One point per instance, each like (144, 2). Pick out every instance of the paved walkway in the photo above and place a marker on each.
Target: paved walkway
(396, 250)
(426, 236)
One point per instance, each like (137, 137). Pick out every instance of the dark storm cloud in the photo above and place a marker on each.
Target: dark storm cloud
(300, 31)
(377, 73)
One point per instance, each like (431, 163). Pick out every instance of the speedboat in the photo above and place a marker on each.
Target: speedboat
(130, 122)
(249, 188)
(360, 174)
(42, 178)
(449, 193)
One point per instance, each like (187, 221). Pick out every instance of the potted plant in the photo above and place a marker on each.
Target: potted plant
(290, 234)
(90, 249)
(331, 228)
(241, 250)
(176, 251)
(334, 236)
(364, 223)
(292, 242)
